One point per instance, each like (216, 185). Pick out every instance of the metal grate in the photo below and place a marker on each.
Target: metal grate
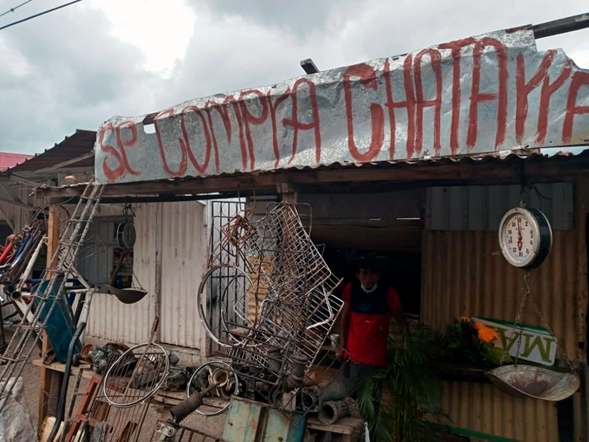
(283, 309)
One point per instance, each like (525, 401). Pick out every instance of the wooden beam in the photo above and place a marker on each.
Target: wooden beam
(66, 163)
(50, 380)
(484, 172)
(14, 196)
(21, 205)
(7, 218)
(22, 180)
(288, 193)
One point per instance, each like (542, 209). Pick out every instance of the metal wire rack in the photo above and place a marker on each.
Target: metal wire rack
(286, 308)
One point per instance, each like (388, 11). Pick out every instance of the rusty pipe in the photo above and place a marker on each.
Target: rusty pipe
(332, 411)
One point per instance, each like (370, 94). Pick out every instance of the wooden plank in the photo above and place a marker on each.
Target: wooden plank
(17, 204)
(487, 172)
(12, 194)
(59, 367)
(50, 380)
(345, 425)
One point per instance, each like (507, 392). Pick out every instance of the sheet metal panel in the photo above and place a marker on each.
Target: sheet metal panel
(465, 274)
(184, 253)
(483, 408)
(482, 207)
(115, 321)
(397, 108)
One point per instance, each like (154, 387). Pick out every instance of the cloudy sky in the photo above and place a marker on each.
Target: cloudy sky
(76, 67)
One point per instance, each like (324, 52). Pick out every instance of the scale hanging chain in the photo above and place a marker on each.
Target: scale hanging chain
(518, 324)
(547, 327)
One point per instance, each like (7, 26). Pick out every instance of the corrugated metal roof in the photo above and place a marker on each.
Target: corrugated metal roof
(10, 159)
(495, 158)
(74, 146)
(507, 158)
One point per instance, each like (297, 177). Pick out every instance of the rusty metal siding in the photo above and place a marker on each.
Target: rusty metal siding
(482, 207)
(465, 274)
(114, 321)
(483, 408)
(183, 262)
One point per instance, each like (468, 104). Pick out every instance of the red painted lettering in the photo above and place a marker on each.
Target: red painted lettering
(124, 144)
(456, 47)
(478, 97)
(183, 161)
(273, 108)
(297, 125)
(367, 77)
(579, 80)
(111, 174)
(249, 118)
(436, 103)
(223, 110)
(524, 89)
(201, 168)
(547, 90)
(408, 104)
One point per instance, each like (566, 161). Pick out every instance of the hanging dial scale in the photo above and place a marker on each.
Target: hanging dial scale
(525, 237)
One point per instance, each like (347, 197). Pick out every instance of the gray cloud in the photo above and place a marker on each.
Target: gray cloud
(65, 71)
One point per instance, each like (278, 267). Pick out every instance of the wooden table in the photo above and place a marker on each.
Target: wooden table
(60, 368)
(346, 429)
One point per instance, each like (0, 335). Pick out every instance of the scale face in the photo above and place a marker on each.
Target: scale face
(525, 237)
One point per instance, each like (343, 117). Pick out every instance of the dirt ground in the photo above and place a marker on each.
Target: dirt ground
(32, 375)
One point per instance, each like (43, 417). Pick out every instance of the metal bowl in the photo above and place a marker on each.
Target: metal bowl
(528, 381)
(127, 296)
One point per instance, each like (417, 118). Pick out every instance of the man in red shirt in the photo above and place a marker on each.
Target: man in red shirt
(365, 321)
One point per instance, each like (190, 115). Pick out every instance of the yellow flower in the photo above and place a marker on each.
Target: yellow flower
(463, 319)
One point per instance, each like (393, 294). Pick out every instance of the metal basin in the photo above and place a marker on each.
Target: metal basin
(528, 381)
(127, 296)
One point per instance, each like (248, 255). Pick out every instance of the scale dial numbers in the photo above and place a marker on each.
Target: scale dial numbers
(519, 237)
(525, 237)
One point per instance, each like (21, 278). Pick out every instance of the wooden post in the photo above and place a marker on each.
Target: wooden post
(288, 193)
(50, 380)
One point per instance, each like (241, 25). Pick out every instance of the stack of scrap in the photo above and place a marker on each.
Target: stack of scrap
(286, 310)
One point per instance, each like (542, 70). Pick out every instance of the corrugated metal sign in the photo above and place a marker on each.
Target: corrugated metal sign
(476, 95)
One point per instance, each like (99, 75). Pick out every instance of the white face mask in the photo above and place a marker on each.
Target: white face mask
(366, 290)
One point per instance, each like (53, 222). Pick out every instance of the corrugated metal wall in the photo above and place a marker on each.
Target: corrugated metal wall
(184, 255)
(114, 321)
(486, 409)
(465, 274)
(171, 243)
(482, 207)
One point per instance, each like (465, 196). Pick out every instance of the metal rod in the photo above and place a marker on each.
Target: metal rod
(66, 381)
(561, 26)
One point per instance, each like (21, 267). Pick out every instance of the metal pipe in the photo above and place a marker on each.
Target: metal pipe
(332, 411)
(561, 26)
(64, 385)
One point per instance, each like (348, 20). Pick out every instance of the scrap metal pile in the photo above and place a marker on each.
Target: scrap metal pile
(19, 251)
(284, 308)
